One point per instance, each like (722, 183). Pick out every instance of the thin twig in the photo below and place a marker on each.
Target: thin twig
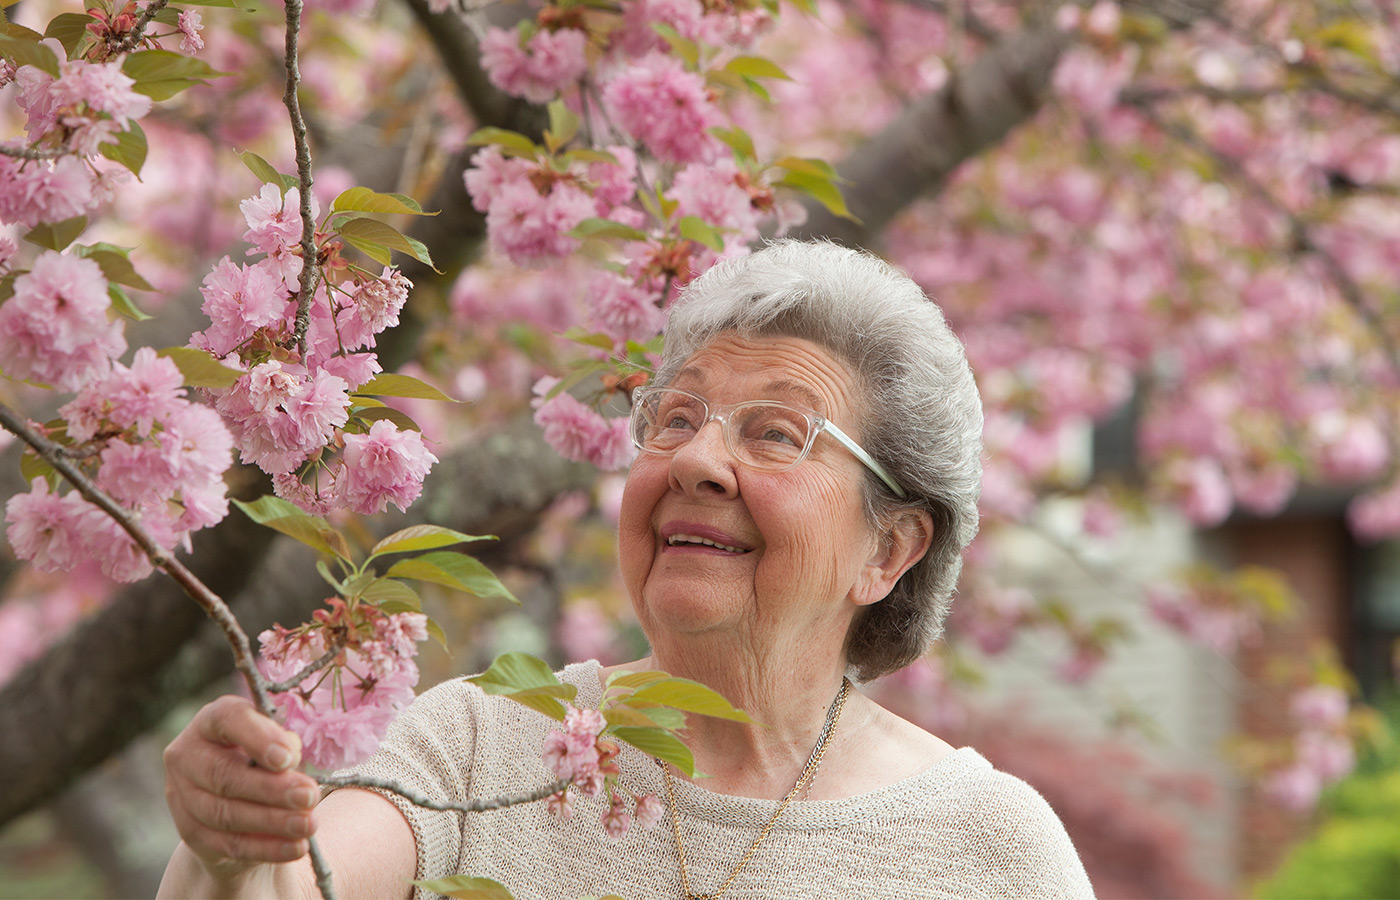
(54, 454)
(34, 153)
(307, 282)
(161, 558)
(134, 36)
(417, 799)
(281, 687)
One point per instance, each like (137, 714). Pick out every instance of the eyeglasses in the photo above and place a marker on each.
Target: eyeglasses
(767, 435)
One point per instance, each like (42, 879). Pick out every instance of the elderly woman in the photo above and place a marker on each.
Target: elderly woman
(807, 481)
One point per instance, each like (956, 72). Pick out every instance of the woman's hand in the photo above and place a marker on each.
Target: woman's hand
(234, 791)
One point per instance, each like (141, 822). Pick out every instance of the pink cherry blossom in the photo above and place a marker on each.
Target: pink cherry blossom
(1320, 706)
(616, 819)
(560, 805)
(384, 466)
(579, 433)
(649, 811)
(665, 107)
(190, 24)
(239, 300)
(274, 219)
(548, 62)
(624, 310)
(1296, 787)
(1375, 515)
(55, 329)
(46, 527)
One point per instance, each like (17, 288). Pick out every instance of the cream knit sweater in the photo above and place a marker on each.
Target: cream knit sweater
(959, 830)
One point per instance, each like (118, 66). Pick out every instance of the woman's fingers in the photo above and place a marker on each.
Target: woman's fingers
(232, 787)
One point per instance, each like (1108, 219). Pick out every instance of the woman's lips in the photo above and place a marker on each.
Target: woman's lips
(698, 537)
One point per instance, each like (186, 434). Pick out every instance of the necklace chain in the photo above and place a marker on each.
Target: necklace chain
(809, 773)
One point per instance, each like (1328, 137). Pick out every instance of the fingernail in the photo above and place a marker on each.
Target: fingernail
(278, 757)
(303, 797)
(301, 826)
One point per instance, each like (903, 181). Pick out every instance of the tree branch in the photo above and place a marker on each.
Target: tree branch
(916, 153)
(121, 672)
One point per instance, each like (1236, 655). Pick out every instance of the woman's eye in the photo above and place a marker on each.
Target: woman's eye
(679, 422)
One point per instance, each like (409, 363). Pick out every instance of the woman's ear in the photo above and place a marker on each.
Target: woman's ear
(896, 550)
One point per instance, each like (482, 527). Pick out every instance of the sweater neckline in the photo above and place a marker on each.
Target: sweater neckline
(641, 774)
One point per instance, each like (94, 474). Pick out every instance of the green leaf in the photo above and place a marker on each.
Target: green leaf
(123, 304)
(212, 4)
(129, 149)
(820, 189)
(756, 67)
(32, 466)
(757, 89)
(161, 74)
(375, 239)
(116, 265)
(423, 537)
(467, 887)
(368, 415)
(513, 143)
(291, 520)
(527, 680)
(563, 125)
(24, 52)
(57, 235)
(588, 155)
(683, 47)
(808, 166)
(634, 680)
(588, 339)
(392, 596)
(362, 199)
(660, 743)
(694, 228)
(329, 577)
(265, 172)
(690, 696)
(649, 717)
(738, 140)
(70, 29)
(606, 228)
(200, 368)
(391, 385)
(455, 570)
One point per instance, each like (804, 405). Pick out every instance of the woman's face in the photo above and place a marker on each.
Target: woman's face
(785, 555)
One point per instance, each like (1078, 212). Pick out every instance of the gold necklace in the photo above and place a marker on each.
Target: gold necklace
(809, 772)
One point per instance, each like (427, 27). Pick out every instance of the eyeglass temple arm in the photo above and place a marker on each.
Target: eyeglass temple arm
(864, 457)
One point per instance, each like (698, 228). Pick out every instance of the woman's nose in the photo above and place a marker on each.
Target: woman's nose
(704, 464)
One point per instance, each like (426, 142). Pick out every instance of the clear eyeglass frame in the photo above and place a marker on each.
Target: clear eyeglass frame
(644, 401)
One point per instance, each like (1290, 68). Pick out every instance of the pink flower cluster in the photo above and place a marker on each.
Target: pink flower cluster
(1211, 618)
(578, 432)
(151, 450)
(1322, 751)
(342, 711)
(87, 106)
(578, 755)
(537, 66)
(669, 109)
(55, 329)
(287, 412)
(530, 207)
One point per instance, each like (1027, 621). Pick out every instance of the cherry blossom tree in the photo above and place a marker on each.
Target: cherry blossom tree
(1181, 209)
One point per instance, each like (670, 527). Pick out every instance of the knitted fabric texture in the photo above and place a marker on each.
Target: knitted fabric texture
(961, 829)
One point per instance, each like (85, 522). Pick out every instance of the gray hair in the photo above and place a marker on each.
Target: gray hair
(922, 416)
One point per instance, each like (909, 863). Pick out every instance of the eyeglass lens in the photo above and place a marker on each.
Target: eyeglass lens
(762, 434)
